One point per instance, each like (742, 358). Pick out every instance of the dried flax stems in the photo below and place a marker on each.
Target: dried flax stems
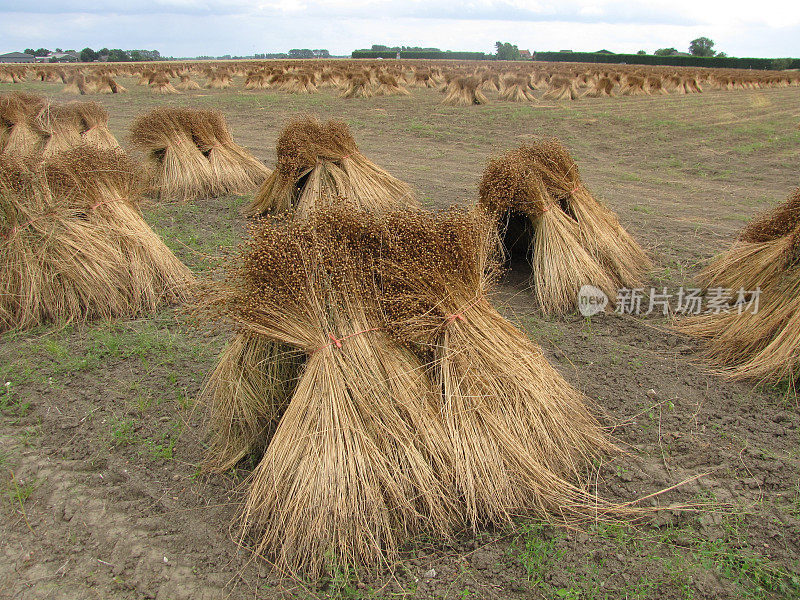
(74, 244)
(191, 154)
(356, 463)
(419, 409)
(319, 163)
(570, 239)
(758, 338)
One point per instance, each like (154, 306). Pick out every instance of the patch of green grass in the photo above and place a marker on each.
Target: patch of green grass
(18, 493)
(757, 577)
(734, 558)
(123, 432)
(162, 448)
(201, 247)
(12, 404)
(423, 129)
(540, 330)
(664, 561)
(623, 176)
(785, 391)
(539, 555)
(146, 339)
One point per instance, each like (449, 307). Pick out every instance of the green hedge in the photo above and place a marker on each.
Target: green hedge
(423, 54)
(724, 62)
(427, 54)
(373, 54)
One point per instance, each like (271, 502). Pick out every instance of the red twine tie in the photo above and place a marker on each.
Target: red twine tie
(338, 341)
(459, 316)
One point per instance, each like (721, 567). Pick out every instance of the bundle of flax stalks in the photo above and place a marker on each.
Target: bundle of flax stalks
(75, 84)
(419, 409)
(17, 112)
(756, 339)
(600, 231)
(191, 154)
(74, 244)
(357, 86)
(235, 170)
(319, 163)
(359, 462)
(464, 91)
(521, 435)
(546, 214)
(65, 126)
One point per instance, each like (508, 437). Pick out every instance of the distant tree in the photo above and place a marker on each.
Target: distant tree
(779, 64)
(641, 52)
(117, 55)
(30, 51)
(88, 55)
(42, 52)
(506, 51)
(144, 55)
(321, 53)
(301, 53)
(380, 48)
(721, 54)
(665, 52)
(701, 46)
(58, 50)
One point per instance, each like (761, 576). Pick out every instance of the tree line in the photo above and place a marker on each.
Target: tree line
(105, 54)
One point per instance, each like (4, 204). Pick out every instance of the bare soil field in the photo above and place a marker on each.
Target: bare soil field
(102, 492)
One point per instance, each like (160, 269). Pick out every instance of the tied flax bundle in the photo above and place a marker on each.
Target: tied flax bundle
(411, 405)
(356, 464)
(74, 245)
(65, 126)
(517, 89)
(320, 162)
(600, 231)
(235, 170)
(464, 91)
(535, 225)
(18, 137)
(246, 395)
(762, 345)
(521, 434)
(191, 154)
(570, 239)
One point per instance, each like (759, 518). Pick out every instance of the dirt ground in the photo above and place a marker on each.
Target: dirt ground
(101, 489)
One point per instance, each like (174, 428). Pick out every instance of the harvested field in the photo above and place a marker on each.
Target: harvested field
(102, 493)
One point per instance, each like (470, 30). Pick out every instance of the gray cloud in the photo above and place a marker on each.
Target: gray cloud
(216, 27)
(617, 12)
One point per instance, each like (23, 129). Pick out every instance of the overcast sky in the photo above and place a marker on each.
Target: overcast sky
(215, 27)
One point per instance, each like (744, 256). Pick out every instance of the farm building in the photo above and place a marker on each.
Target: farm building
(16, 57)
